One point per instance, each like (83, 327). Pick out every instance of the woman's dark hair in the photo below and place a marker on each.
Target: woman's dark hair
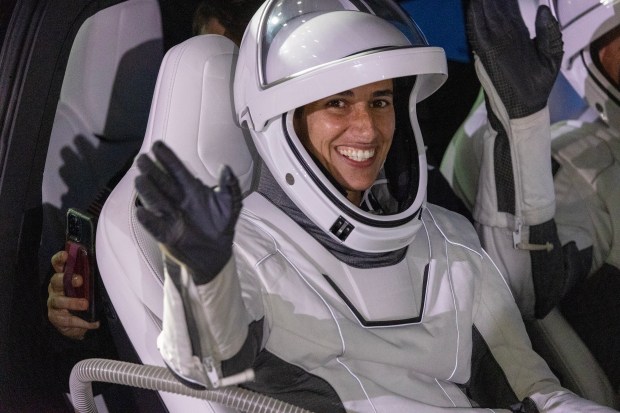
(233, 15)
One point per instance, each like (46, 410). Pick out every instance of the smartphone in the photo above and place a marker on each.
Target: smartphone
(80, 245)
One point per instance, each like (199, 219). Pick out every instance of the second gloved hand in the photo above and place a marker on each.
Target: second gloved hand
(522, 70)
(192, 220)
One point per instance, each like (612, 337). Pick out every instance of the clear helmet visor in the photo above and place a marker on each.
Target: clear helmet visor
(567, 12)
(297, 36)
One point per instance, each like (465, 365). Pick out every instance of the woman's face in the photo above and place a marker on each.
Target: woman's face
(350, 134)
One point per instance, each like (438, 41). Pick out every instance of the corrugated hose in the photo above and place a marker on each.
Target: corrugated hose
(161, 379)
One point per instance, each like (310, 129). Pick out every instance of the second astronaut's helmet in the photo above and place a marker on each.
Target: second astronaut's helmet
(587, 26)
(296, 52)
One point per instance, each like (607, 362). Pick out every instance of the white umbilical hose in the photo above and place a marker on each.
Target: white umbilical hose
(161, 379)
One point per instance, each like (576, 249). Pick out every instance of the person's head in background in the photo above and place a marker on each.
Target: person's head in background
(225, 17)
(606, 52)
(591, 61)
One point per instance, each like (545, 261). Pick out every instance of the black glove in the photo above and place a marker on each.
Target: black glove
(193, 221)
(522, 70)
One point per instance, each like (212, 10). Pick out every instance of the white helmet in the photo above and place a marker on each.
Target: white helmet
(297, 52)
(583, 22)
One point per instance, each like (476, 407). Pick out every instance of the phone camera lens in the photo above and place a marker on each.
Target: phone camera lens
(75, 229)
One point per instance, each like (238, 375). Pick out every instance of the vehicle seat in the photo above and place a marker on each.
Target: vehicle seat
(569, 358)
(102, 111)
(193, 113)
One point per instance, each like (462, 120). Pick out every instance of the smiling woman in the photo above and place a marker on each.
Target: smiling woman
(350, 134)
(388, 304)
(302, 292)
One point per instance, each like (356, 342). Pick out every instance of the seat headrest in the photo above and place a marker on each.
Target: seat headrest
(192, 110)
(110, 73)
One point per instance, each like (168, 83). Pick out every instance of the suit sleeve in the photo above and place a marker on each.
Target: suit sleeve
(515, 207)
(219, 322)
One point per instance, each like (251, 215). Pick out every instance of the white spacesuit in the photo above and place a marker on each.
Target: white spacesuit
(577, 193)
(588, 152)
(390, 306)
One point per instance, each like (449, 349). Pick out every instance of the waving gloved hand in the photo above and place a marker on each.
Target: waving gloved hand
(515, 203)
(193, 221)
(522, 70)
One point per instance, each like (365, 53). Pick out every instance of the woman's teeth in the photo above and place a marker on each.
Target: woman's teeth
(357, 155)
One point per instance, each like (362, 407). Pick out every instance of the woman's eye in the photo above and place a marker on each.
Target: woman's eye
(336, 103)
(381, 103)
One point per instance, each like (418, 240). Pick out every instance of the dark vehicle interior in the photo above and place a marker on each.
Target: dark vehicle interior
(76, 84)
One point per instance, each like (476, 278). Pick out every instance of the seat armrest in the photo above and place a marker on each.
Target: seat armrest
(569, 358)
